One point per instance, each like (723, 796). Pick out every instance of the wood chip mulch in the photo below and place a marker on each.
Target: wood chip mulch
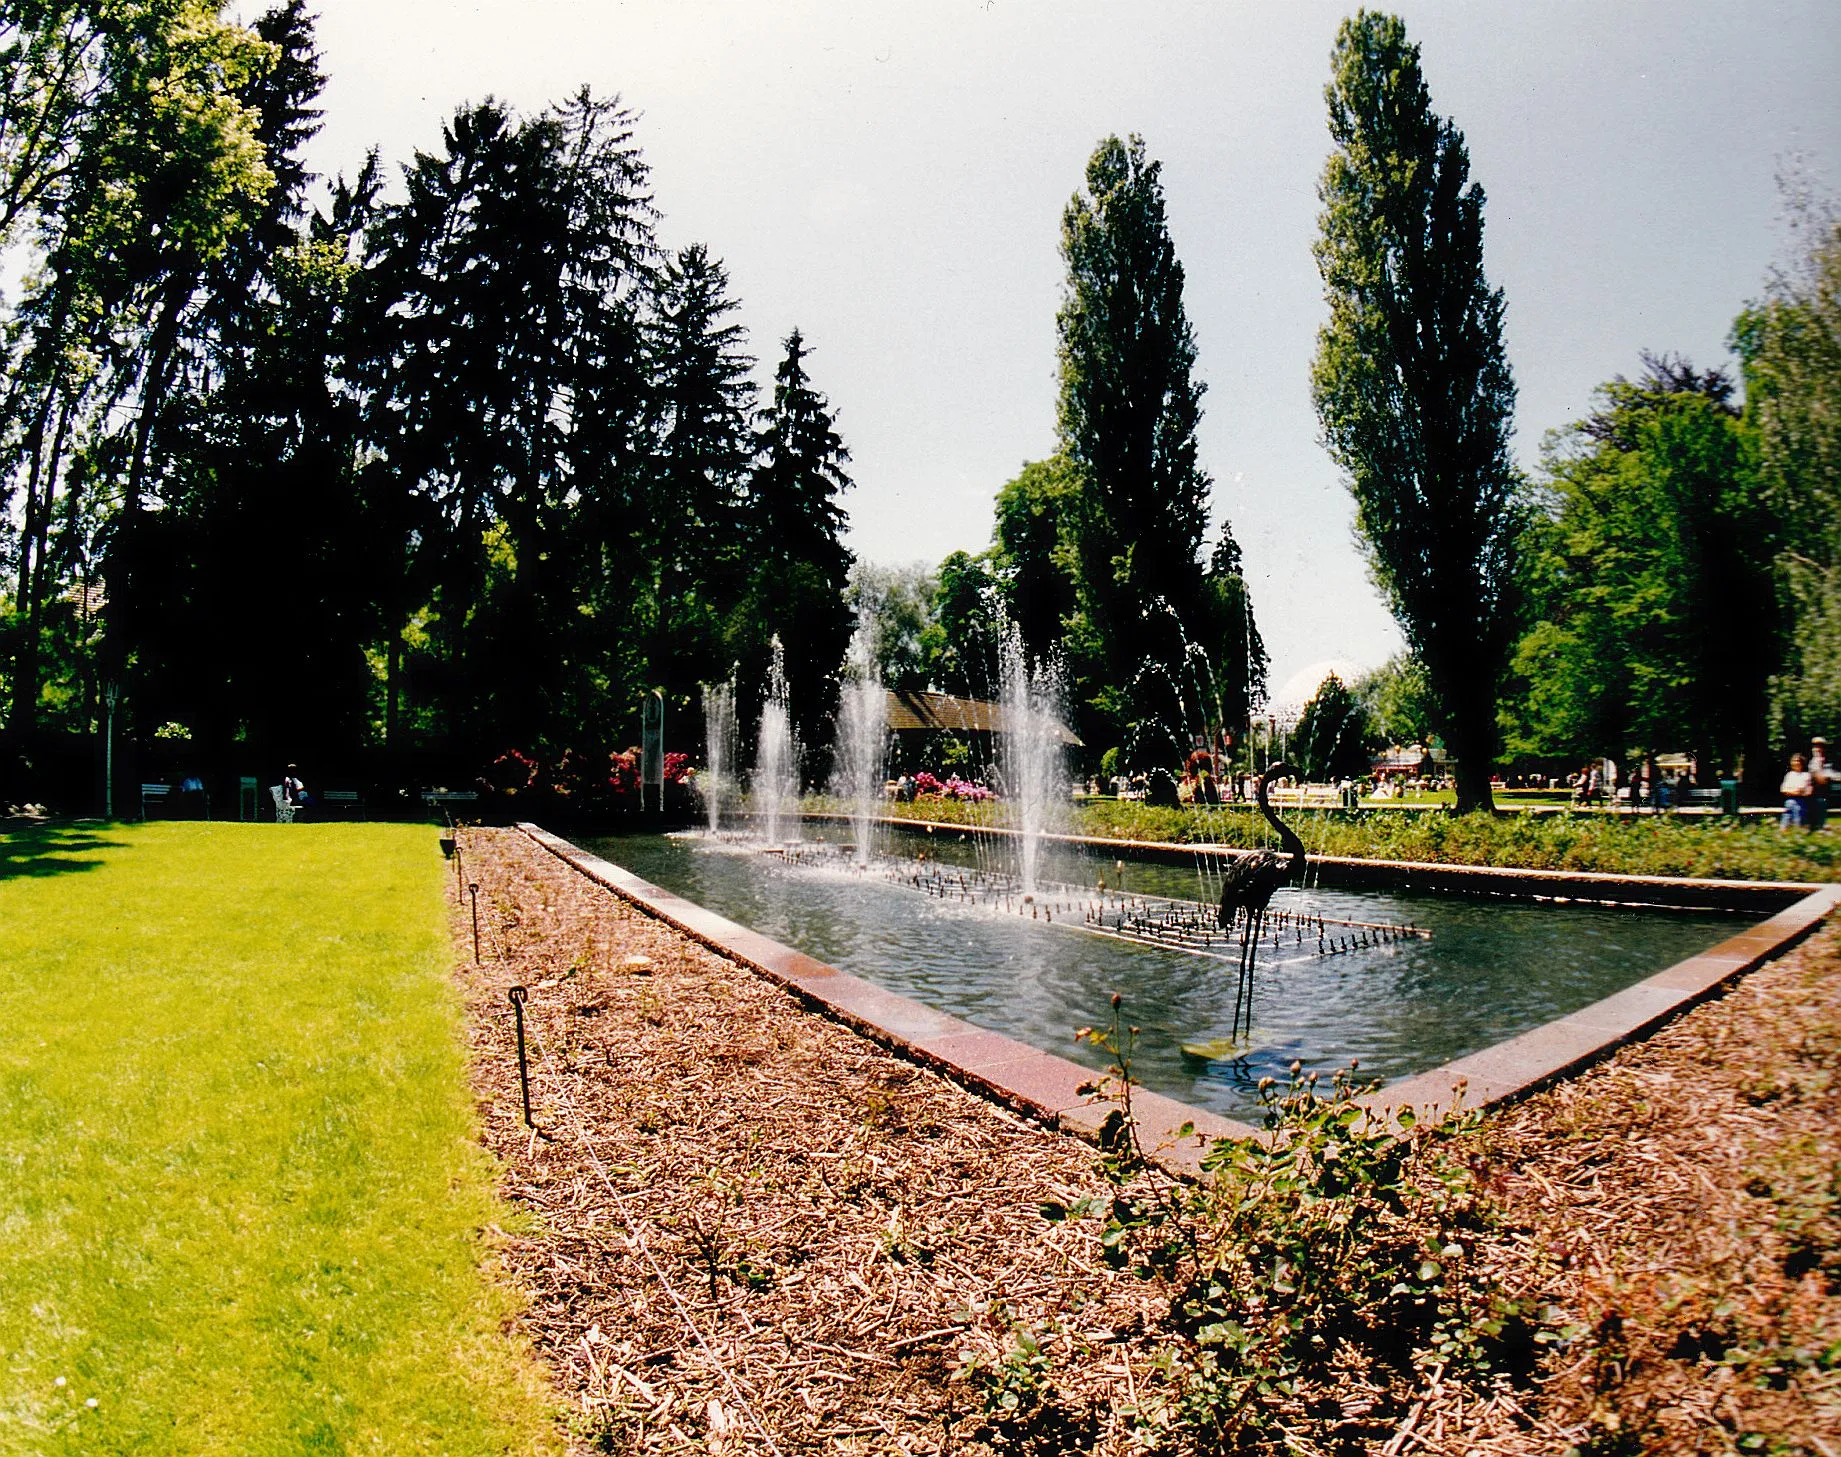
(750, 1224)
(1679, 1208)
(746, 1229)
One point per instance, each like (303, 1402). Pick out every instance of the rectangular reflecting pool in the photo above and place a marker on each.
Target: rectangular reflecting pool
(1483, 971)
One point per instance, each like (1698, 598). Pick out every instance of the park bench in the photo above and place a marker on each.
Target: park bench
(154, 793)
(1307, 796)
(344, 800)
(448, 800)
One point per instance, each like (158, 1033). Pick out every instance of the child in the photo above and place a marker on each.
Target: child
(1797, 789)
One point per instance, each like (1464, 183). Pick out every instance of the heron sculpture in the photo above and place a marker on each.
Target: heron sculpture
(1246, 890)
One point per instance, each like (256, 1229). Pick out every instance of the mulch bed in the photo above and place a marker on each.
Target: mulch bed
(748, 1222)
(1679, 1206)
(747, 1229)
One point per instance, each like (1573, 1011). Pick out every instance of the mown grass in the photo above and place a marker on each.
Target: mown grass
(241, 1202)
(1650, 845)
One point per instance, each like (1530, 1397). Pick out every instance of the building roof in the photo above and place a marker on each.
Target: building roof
(916, 712)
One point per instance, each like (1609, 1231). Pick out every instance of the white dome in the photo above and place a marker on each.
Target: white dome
(1289, 698)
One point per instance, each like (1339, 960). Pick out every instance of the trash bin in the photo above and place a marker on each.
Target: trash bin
(1729, 796)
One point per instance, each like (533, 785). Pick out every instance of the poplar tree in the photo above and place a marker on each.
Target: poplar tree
(1411, 382)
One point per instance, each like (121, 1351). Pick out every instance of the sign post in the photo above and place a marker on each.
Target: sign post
(652, 751)
(111, 695)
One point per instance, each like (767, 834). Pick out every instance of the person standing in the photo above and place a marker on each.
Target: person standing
(1823, 775)
(293, 792)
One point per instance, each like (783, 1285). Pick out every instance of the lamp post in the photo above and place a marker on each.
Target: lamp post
(111, 695)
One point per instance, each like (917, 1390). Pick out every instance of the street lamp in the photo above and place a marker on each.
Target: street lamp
(111, 695)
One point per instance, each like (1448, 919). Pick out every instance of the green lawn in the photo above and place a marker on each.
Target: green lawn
(241, 1204)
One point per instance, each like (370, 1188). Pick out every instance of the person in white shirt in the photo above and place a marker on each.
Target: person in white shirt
(1798, 788)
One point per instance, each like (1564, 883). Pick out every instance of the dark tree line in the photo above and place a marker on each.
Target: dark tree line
(457, 459)
(455, 462)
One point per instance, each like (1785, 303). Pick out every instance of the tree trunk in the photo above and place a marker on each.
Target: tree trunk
(34, 554)
(393, 658)
(1472, 737)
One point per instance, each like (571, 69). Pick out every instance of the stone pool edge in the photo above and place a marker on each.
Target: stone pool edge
(1046, 1087)
(1509, 1071)
(1040, 1085)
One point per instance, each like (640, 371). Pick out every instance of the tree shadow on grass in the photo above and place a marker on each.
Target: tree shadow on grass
(49, 849)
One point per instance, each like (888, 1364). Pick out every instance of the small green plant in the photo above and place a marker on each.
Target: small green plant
(1020, 1408)
(1339, 1240)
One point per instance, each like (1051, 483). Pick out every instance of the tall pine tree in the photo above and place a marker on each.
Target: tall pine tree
(704, 404)
(799, 565)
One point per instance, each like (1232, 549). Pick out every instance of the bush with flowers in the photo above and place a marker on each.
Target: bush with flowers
(573, 783)
(513, 772)
(623, 775)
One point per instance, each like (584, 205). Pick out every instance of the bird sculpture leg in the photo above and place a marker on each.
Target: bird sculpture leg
(1259, 929)
(1243, 991)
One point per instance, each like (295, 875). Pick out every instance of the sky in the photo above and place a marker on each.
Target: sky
(890, 178)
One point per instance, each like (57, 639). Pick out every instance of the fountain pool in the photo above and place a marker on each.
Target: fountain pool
(1486, 970)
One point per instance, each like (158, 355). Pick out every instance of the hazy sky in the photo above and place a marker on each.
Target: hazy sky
(890, 178)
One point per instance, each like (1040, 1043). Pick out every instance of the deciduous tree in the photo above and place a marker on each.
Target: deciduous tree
(1652, 580)
(1790, 342)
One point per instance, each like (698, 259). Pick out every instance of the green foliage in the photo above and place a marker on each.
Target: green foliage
(245, 1195)
(1034, 555)
(898, 605)
(521, 426)
(1229, 672)
(1411, 381)
(1652, 580)
(1790, 343)
(968, 616)
(1646, 845)
(1398, 698)
(703, 403)
(1333, 734)
(141, 165)
(473, 465)
(1337, 1242)
(800, 567)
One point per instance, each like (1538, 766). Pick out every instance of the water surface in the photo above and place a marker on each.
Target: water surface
(1488, 970)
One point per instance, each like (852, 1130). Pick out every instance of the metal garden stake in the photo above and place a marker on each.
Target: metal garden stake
(473, 890)
(517, 995)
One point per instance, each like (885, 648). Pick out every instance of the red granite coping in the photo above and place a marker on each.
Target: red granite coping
(1052, 1090)
(1523, 1065)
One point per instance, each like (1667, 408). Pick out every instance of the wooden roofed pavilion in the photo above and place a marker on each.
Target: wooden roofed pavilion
(913, 712)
